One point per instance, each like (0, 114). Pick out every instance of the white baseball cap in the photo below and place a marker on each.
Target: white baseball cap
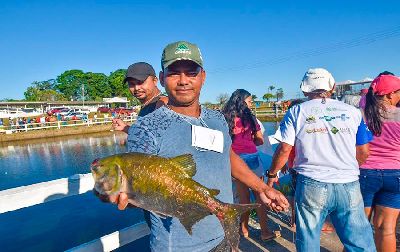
(317, 79)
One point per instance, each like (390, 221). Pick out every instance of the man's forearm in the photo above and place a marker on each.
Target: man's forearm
(362, 153)
(280, 158)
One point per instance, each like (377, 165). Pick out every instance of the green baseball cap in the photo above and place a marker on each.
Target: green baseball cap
(181, 50)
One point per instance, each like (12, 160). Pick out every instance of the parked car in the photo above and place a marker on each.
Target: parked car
(103, 109)
(74, 116)
(55, 111)
(77, 110)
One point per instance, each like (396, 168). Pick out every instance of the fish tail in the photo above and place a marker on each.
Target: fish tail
(229, 216)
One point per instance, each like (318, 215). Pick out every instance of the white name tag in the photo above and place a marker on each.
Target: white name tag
(208, 139)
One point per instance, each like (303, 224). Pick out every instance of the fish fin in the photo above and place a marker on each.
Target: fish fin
(230, 221)
(188, 220)
(186, 164)
(213, 192)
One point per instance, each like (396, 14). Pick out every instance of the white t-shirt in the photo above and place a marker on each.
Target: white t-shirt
(324, 136)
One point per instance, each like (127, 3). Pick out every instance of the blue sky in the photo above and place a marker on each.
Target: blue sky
(245, 44)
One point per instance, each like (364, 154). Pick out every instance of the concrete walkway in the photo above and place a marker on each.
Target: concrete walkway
(279, 222)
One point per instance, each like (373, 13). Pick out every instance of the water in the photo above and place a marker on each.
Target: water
(62, 224)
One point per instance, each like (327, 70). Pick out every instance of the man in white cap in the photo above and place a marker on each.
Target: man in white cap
(331, 141)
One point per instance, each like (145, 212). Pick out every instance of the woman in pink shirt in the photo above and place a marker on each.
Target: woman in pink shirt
(380, 174)
(246, 134)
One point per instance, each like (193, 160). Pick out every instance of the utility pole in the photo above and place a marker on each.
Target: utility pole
(83, 95)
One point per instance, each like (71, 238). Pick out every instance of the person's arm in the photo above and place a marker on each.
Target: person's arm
(120, 125)
(363, 137)
(279, 160)
(268, 195)
(258, 138)
(362, 153)
(287, 136)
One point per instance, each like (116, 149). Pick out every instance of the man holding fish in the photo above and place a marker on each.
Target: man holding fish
(184, 178)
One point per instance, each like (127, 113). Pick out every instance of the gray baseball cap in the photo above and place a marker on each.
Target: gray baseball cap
(139, 71)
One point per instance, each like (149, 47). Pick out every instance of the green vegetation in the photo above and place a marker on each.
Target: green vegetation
(79, 85)
(279, 94)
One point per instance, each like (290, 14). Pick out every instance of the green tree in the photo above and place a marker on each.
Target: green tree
(43, 91)
(208, 104)
(279, 94)
(254, 97)
(268, 96)
(69, 83)
(98, 86)
(118, 88)
(133, 101)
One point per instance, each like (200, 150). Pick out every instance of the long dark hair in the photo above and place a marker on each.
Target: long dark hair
(237, 107)
(374, 112)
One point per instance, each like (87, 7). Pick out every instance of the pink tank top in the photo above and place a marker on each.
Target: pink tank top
(243, 140)
(384, 151)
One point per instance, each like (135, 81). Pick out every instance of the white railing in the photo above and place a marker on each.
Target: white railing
(26, 196)
(61, 124)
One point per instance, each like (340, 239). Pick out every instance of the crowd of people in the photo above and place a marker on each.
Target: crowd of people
(324, 142)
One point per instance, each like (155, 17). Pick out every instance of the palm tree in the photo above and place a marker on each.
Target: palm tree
(270, 88)
(279, 94)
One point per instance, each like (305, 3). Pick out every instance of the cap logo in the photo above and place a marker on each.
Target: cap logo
(182, 49)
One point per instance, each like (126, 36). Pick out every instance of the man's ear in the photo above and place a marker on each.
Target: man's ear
(155, 80)
(203, 76)
(161, 77)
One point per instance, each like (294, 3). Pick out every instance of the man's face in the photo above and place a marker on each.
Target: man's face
(143, 90)
(183, 81)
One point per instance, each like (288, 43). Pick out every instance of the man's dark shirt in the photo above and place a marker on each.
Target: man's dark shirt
(150, 107)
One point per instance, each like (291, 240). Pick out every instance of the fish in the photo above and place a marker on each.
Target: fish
(166, 187)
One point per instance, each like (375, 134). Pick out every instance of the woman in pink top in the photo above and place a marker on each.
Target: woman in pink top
(380, 174)
(246, 134)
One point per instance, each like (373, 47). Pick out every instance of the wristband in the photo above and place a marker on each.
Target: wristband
(269, 175)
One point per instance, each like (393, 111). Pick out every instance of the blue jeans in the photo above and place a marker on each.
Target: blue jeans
(343, 202)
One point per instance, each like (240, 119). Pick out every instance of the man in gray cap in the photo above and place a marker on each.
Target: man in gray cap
(331, 141)
(142, 83)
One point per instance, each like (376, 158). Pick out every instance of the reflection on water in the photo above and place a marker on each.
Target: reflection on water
(61, 224)
(33, 161)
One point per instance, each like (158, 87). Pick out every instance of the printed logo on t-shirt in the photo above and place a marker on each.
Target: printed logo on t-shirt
(310, 119)
(340, 130)
(333, 109)
(328, 118)
(317, 130)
